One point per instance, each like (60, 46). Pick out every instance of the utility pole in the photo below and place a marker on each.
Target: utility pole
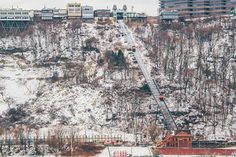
(71, 147)
(71, 142)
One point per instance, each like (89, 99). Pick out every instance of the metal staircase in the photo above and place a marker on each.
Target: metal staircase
(171, 125)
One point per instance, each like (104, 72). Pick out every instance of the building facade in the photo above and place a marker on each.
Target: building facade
(119, 14)
(196, 8)
(136, 17)
(181, 139)
(74, 10)
(87, 12)
(59, 13)
(15, 15)
(169, 15)
(102, 14)
(15, 19)
(46, 14)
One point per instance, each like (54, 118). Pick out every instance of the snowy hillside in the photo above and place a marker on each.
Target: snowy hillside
(195, 65)
(71, 74)
(82, 75)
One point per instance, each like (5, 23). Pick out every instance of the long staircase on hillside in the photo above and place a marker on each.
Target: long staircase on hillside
(170, 123)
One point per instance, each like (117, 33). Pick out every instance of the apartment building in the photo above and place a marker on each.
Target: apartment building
(46, 14)
(59, 13)
(119, 14)
(87, 12)
(196, 8)
(102, 14)
(74, 10)
(15, 15)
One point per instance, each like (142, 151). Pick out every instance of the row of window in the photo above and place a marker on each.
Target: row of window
(203, 9)
(87, 9)
(47, 11)
(73, 6)
(14, 13)
(72, 9)
(24, 17)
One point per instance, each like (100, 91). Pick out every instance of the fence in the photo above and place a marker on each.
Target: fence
(102, 139)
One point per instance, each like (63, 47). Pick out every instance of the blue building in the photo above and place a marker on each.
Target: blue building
(87, 12)
(46, 14)
(169, 15)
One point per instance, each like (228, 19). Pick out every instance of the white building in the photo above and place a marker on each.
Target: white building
(59, 13)
(46, 14)
(87, 12)
(119, 14)
(15, 15)
(74, 10)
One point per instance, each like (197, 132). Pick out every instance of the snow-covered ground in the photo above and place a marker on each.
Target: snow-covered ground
(134, 151)
(166, 45)
(82, 97)
(87, 94)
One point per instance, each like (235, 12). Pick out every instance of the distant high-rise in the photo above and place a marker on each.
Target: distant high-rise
(197, 8)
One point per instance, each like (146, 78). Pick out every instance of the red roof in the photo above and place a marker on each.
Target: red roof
(183, 134)
(195, 151)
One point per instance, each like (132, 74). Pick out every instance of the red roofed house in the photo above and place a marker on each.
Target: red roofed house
(181, 139)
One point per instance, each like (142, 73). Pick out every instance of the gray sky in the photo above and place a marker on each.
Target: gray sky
(147, 6)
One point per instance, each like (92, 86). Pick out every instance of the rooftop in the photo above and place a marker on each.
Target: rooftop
(183, 134)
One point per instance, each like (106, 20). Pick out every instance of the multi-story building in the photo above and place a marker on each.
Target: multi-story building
(102, 14)
(46, 14)
(233, 2)
(196, 8)
(87, 12)
(15, 15)
(119, 14)
(169, 15)
(59, 13)
(15, 19)
(74, 10)
(138, 17)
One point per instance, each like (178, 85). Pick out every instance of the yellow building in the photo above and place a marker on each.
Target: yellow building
(74, 10)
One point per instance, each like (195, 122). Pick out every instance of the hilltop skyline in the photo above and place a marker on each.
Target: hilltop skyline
(147, 6)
